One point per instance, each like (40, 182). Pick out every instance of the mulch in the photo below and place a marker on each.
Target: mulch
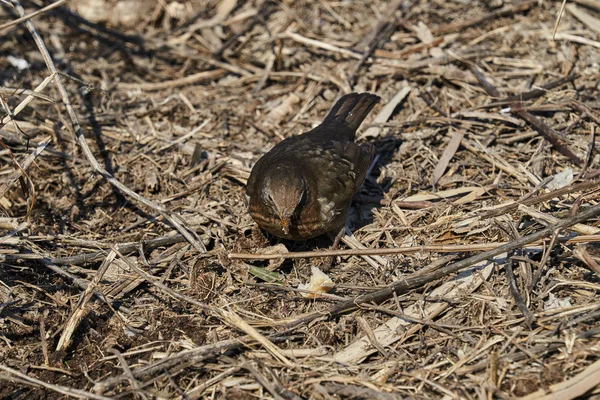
(131, 268)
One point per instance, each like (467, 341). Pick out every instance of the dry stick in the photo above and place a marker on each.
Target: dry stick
(367, 53)
(546, 131)
(30, 97)
(267, 7)
(533, 94)
(590, 152)
(375, 36)
(185, 81)
(364, 325)
(379, 25)
(130, 248)
(539, 199)
(593, 4)
(21, 167)
(592, 115)
(79, 310)
(183, 358)
(514, 290)
(125, 249)
(558, 18)
(504, 11)
(581, 254)
(79, 259)
(408, 205)
(432, 248)
(83, 284)
(546, 219)
(14, 91)
(43, 316)
(197, 391)
(485, 84)
(234, 320)
(28, 380)
(544, 89)
(412, 282)
(349, 391)
(173, 219)
(33, 14)
(585, 109)
(365, 252)
(456, 138)
(136, 385)
(262, 380)
(540, 268)
(186, 358)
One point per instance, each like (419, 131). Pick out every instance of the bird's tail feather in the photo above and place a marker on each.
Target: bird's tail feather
(352, 109)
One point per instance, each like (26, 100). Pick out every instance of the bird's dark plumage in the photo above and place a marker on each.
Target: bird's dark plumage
(303, 187)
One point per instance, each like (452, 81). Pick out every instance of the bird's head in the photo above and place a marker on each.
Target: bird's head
(284, 192)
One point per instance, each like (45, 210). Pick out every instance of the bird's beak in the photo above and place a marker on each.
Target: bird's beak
(285, 224)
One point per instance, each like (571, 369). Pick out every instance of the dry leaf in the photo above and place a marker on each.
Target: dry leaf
(319, 282)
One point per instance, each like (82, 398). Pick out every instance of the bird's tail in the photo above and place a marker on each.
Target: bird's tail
(351, 109)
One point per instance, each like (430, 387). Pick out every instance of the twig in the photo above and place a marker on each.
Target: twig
(449, 152)
(533, 94)
(185, 358)
(136, 385)
(432, 248)
(538, 274)
(30, 97)
(375, 36)
(581, 253)
(79, 310)
(485, 84)
(321, 45)
(32, 15)
(591, 22)
(558, 18)
(276, 391)
(126, 249)
(364, 325)
(504, 11)
(514, 291)
(28, 380)
(539, 199)
(266, 8)
(185, 81)
(547, 132)
(21, 167)
(233, 319)
(412, 282)
(198, 390)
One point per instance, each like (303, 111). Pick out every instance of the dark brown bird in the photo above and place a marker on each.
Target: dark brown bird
(303, 187)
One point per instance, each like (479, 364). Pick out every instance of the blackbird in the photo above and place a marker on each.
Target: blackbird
(303, 187)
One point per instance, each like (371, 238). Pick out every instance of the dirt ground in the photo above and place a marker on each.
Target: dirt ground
(129, 129)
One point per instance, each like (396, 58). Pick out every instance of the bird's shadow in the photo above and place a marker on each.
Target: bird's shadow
(371, 194)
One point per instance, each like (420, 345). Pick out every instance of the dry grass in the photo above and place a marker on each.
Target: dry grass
(124, 164)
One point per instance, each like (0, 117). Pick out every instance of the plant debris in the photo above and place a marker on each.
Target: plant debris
(130, 265)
